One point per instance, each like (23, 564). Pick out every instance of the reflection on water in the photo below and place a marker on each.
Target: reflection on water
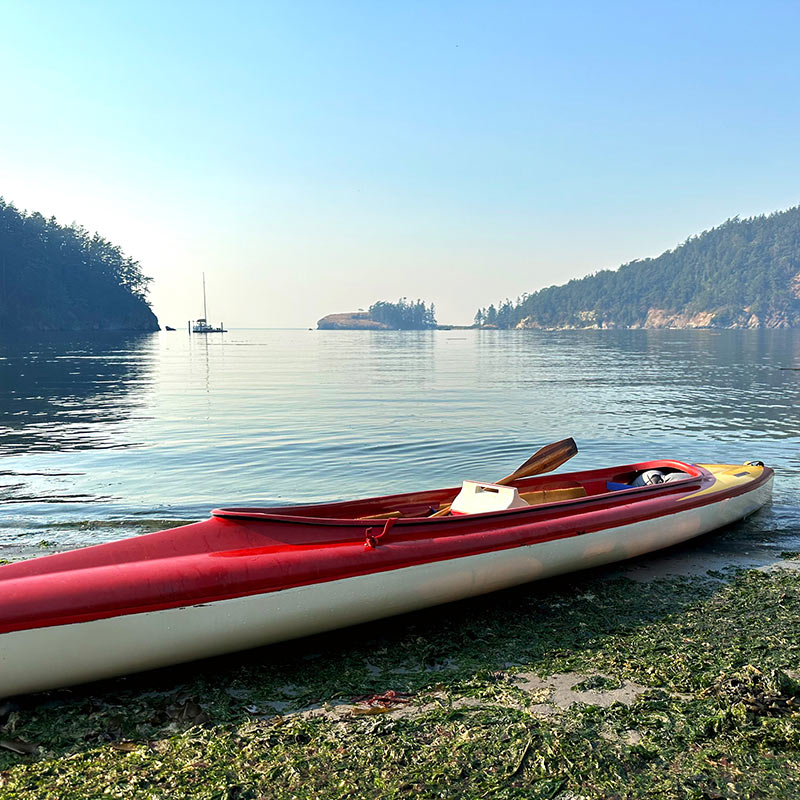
(104, 436)
(71, 391)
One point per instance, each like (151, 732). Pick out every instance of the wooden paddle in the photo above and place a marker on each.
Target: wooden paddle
(546, 459)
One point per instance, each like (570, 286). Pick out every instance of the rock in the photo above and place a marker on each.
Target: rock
(352, 321)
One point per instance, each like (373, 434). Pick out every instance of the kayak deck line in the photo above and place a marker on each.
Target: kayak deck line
(261, 558)
(418, 504)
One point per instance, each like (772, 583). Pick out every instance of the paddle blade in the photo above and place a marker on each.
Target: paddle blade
(547, 459)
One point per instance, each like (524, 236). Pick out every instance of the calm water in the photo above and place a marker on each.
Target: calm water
(108, 436)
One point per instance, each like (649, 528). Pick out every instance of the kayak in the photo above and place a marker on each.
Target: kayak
(253, 576)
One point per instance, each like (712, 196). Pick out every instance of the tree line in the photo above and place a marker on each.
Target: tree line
(56, 276)
(404, 314)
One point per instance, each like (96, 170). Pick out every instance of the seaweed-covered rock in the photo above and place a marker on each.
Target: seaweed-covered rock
(771, 693)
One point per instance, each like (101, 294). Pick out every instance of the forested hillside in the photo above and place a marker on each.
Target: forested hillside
(743, 274)
(56, 277)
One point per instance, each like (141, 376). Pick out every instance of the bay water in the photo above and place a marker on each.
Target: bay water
(110, 435)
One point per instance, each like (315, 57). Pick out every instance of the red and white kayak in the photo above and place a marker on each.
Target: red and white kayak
(252, 576)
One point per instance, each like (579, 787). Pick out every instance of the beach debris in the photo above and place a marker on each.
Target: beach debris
(7, 708)
(768, 694)
(19, 747)
(385, 700)
(124, 747)
(187, 712)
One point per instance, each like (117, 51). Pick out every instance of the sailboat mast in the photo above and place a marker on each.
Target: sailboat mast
(205, 312)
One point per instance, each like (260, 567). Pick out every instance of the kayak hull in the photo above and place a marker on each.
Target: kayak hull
(36, 657)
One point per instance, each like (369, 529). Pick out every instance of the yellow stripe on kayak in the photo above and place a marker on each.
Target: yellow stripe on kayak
(727, 476)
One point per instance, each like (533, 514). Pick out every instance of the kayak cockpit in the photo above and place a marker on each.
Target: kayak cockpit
(535, 492)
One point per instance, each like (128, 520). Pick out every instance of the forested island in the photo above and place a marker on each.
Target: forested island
(742, 274)
(404, 315)
(62, 278)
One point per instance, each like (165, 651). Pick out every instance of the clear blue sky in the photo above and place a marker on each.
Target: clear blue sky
(314, 157)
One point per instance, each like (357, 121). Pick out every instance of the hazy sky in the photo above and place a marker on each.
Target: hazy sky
(316, 157)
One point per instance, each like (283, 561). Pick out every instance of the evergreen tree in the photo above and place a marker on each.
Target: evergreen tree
(404, 314)
(62, 278)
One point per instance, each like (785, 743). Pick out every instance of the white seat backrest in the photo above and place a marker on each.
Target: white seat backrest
(478, 498)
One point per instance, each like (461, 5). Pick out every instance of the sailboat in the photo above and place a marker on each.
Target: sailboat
(202, 325)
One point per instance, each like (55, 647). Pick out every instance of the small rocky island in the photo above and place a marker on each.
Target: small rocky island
(403, 315)
(61, 278)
